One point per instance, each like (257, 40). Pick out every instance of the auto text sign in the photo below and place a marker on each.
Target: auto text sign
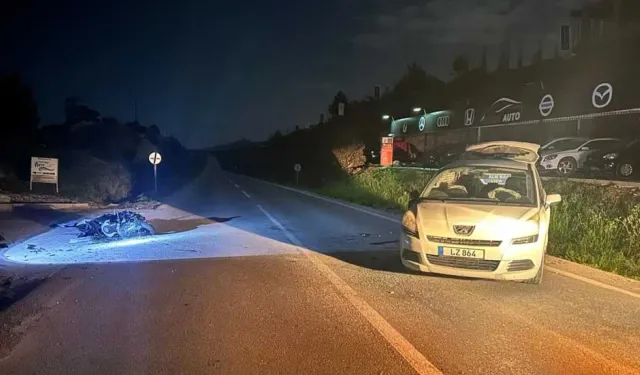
(44, 170)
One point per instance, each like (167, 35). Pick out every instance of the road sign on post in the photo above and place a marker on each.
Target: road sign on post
(297, 168)
(386, 151)
(155, 158)
(43, 170)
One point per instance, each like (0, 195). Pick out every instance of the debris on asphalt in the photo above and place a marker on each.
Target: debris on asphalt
(365, 234)
(117, 225)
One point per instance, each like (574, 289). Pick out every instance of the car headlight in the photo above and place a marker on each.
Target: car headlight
(549, 157)
(611, 156)
(409, 225)
(525, 240)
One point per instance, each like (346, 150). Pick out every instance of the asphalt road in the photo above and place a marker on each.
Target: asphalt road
(258, 279)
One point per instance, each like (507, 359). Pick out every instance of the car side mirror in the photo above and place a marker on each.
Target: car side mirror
(553, 199)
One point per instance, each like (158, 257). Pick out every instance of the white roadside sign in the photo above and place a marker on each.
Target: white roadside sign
(44, 170)
(155, 158)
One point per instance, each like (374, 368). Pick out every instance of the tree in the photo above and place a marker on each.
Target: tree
(460, 65)
(334, 107)
(537, 56)
(520, 58)
(76, 112)
(276, 135)
(18, 107)
(483, 60)
(504, 60)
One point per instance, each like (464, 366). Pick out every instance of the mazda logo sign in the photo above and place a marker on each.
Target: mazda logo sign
(443, 122)
(602, 95)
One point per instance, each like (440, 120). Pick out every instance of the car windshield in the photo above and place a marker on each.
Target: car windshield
(565, 144)
(480, 184)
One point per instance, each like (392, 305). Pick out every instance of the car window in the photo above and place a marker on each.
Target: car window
(565, 144)
(634, 145)
(597, 145)
(483, 184)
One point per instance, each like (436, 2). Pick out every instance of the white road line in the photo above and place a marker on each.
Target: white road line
(236, 185)
(553, 269)
(593, 282)
(330, 200)
(393, 337)
(245, 193)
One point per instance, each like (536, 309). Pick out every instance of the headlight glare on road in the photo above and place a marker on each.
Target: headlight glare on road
(525, 240)
(409, 225)
(549, 157)
(611, 156)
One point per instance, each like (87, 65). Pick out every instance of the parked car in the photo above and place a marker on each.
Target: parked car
(570, 158)
(485, 215)
(563, 143)
(623, 161)
(443, 154)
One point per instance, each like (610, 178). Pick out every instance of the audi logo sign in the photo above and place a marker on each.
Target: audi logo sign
(443, 122)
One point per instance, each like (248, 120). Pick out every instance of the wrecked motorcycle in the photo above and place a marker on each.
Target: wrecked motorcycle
(123, 224)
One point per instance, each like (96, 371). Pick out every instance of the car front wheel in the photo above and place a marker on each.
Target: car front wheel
(625, 170)
(566, 166)
(537, 279)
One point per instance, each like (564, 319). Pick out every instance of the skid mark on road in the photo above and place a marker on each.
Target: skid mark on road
(393, 337)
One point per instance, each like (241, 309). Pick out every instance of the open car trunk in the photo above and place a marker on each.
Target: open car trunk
(517, 151)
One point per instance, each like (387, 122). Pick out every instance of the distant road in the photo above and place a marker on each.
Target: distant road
(277, 282)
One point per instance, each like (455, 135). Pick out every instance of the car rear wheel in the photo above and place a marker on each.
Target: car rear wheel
(567, 166)
(537, 279)
(625, 170)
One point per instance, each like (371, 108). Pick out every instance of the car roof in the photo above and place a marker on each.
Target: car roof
(604, 139)
(493, 162)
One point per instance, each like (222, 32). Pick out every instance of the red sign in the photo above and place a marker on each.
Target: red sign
(386, 151)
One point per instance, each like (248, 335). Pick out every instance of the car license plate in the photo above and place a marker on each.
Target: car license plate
(462, 253)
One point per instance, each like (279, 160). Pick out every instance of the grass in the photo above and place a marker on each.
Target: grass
(594, 225)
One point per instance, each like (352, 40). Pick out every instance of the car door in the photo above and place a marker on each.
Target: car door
(588, 148)
(545, 211)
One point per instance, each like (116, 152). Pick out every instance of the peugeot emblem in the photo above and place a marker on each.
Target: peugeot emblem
(464, 230)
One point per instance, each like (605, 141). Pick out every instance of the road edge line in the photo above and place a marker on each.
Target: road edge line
(550, 268)
(330, 200)
(593, 282)
(415, 359)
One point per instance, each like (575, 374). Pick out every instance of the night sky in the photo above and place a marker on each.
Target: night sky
(210, 72)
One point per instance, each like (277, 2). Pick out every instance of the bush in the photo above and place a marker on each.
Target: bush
(380, 188)
(594, 225)
(87, 178)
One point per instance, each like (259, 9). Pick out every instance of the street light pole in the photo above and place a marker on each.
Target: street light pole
(419, 109)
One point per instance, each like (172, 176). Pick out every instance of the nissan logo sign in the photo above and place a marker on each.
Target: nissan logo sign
(443, 121)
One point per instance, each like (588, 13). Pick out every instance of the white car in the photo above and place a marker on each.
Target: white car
(569, 156)
(485, 215)
(561, 144)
